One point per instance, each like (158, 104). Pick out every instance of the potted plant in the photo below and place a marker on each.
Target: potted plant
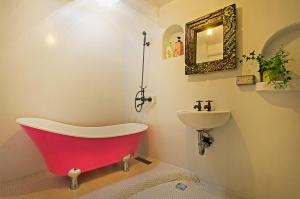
(273, 70)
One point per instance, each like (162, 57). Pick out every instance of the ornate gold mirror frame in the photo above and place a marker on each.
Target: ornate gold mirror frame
(225, 17)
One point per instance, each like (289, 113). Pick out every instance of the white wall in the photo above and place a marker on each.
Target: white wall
(62, 60)
(89, 71)
(257, 153)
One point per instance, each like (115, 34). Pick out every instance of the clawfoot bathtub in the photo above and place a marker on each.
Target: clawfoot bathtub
(71, 150)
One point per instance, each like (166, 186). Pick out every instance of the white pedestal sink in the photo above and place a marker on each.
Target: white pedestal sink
(203, 121)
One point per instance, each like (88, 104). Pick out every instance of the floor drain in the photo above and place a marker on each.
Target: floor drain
(181, 186)
(143, 160)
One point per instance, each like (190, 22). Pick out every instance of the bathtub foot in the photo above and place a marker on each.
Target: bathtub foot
(126, 162)
(73, 174)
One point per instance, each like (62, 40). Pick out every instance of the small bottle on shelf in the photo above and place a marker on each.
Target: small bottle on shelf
(169, 50)
(178, 48)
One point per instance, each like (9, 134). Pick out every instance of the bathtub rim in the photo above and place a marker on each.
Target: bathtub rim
(82, 131)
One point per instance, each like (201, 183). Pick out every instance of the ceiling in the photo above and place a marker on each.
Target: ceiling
(160, 3)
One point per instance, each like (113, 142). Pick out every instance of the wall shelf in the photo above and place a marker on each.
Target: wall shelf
(294, 85)
(170, 35)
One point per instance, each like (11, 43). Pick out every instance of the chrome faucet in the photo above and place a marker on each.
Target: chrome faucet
(198, 106)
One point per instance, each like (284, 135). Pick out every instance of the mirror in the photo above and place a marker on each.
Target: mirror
(211, 42)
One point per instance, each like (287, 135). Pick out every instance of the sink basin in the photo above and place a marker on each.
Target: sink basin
(203, 119)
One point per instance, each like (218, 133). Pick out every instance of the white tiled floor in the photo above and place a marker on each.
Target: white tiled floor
(160, 174)
(160, 183)
(154, 181)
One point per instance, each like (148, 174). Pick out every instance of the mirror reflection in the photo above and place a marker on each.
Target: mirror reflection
(210, 44)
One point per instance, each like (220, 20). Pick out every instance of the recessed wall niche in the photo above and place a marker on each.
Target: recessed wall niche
(288, 38)
(170, 35)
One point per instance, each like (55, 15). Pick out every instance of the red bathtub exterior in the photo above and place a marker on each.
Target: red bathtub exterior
(62, 153)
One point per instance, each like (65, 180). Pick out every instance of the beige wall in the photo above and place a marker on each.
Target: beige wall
(79, 62)
(257, 153)
(61, 60)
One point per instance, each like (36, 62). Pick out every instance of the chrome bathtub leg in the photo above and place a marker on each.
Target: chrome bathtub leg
(73, 174)
(126, 162)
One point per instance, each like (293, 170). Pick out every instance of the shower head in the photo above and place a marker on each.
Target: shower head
(145, 35)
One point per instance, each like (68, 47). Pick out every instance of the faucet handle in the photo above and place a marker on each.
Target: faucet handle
(208, 106)
(198, 106)
(199, 102)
